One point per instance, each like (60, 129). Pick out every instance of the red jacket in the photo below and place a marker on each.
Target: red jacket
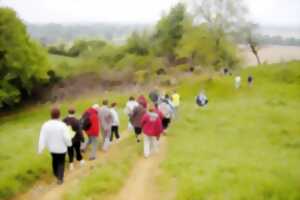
(95, 126)
(151, 124)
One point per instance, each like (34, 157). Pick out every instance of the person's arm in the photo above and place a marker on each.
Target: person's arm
(42, 140)
(66, 136)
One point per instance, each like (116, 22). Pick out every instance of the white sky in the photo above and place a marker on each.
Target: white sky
(267, 12)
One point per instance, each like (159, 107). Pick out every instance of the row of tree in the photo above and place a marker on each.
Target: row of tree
(204, 37)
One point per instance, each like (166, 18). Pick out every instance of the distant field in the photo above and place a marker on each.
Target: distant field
(272, 54)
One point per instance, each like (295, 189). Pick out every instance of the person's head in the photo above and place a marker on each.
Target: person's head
(151, 109)
(55, 113)
(105, 102)
(114, 104)
(167, 96)
(131, 98)
(95, 106)
(71, 111)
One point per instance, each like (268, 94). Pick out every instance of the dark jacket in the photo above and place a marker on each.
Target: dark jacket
(74, 123)
(137, 115)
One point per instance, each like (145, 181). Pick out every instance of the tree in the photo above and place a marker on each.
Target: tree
(169, 31)
(138, 44)
(223, 18)
(23, 63)
(248, 32)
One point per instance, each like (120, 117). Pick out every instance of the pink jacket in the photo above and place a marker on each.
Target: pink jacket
(151, 124)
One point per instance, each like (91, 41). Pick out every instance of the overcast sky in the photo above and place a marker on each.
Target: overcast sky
(266, 12)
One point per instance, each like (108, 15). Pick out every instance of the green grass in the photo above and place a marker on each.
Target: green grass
(244, 145)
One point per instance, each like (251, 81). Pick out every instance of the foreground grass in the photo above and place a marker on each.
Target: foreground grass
(244, 145)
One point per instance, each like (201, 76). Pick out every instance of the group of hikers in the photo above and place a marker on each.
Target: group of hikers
(152, 118)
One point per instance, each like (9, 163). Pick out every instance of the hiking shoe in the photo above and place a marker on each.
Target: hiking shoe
(82, 162)
(71, 167)
(59, 182)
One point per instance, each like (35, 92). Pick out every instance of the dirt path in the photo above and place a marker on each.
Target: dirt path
(51, 191)
(141, 183)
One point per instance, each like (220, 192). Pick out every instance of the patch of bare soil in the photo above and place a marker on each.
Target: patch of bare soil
(83, 84)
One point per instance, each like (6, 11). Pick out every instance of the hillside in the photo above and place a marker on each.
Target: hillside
(244, 145)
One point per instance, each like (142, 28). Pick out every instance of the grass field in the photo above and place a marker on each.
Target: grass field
(244, 145)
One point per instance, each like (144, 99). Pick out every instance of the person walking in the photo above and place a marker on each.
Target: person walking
(167, 111)
(77, 138)
(201, 99)
(238, 81)
(55, 137)
(135, 119)
(152, 129)
(115, 123)
(175, 100)
(106, 120)
(130, 105)
(90, 123)
(250, 80)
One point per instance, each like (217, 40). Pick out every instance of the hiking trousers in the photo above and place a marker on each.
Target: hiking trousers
(92, 140)
(114, 132)
(150, 145)
(74, 148)
(58, 165)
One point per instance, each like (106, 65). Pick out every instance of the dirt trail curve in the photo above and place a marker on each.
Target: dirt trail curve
(52, 191)
(141, 183)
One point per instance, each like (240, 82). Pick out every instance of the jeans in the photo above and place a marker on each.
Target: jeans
(93, 140)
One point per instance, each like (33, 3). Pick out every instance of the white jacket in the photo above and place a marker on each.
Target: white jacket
(115, 117)
(55, 137)
(130, 107)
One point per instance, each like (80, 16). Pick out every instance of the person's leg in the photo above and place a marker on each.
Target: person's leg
(71, 156)
(168, 120)
(164, 123)
(76, 147)
(54, 164)
(94, 142)
(61, 168)
(106, 143)
(112, 133)
(86, 143)
(71, 153)
(146, 146)
(138, 132)
(117, 134)
(155, 145)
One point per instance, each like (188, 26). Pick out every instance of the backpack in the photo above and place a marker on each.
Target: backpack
(85, 121)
